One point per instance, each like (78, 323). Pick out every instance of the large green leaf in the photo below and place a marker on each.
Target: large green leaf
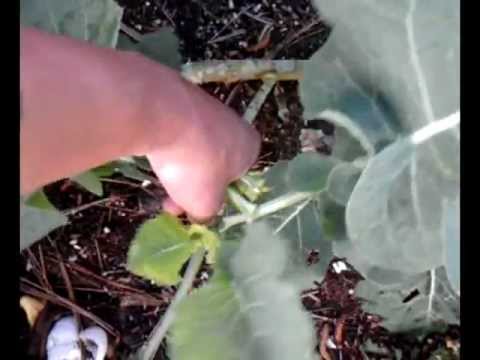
(395, 211)
(403, 80)
(436, 304)
(341, 182)
(343, 247)
(451, 223)
(303, 224)
(35, 223)
(247, 311)
(95, 21)
(159, 250)
(377, 88)
(307, 172)
(162, 46)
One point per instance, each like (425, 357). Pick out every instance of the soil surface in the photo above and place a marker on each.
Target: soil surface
(233, 29)
(82, 267)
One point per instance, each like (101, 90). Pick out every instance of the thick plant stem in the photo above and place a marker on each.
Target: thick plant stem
(150, 348)
(241, 70)
(265, 209)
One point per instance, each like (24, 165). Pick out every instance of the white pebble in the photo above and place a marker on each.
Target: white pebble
(339, 266)
(204, 276)
(146, 183)
(106, 230)
(331, 344)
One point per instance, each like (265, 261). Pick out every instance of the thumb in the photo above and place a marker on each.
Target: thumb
(200, 197)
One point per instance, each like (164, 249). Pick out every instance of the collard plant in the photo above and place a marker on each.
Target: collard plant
(387, 198)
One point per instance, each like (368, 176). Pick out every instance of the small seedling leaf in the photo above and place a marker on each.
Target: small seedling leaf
(206, 238)
(159, 250)
(39, 200)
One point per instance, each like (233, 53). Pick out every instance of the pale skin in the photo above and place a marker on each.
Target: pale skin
(83, 106)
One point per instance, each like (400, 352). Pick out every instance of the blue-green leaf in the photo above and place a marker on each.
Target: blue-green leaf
(435, 306)
(161, 46)
(35, 223)
(307, 172)
(396, 83)
(451, 224)
(341, 182)
(95, 21)
(395, 211)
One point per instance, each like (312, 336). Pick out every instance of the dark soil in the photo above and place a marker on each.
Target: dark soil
(233, 29)
(88, 257)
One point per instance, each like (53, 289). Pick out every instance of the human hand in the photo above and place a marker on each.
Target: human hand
(87, 105)
(210, 146)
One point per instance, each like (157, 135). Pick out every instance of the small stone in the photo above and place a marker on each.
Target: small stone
(331, 344)
(106, 230)
(339, 266)
(204, 276)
